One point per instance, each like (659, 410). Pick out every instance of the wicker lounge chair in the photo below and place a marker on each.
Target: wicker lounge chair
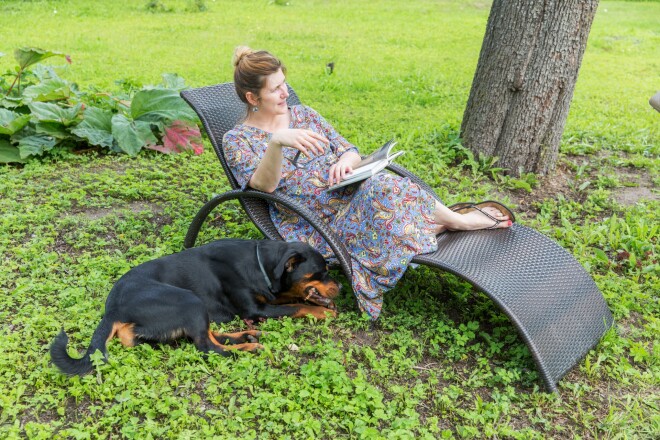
(553, 302)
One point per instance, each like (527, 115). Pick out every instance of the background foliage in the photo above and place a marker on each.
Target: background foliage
(443, 362)
(41, 112)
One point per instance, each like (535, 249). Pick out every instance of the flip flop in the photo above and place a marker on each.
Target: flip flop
(471, 206)
(458, 206)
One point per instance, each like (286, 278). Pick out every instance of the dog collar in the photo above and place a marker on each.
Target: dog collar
(263, 271)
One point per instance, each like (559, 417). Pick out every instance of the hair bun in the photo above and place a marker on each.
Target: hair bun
(239, 53)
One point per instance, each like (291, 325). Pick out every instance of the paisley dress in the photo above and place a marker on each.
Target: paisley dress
(384, 221)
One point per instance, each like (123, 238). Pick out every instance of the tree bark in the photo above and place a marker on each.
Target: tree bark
(524, 83)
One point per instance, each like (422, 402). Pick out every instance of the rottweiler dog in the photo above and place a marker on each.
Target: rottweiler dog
(179, 295)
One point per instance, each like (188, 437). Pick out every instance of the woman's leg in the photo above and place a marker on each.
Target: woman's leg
(473, 220)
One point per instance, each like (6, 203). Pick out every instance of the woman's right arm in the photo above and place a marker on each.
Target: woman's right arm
(268, 173)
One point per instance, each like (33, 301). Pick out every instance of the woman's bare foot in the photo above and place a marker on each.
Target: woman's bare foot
(477, 217)
(478, 220)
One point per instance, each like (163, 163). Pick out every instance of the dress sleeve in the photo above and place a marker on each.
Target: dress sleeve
(240, 157)
(338, 143)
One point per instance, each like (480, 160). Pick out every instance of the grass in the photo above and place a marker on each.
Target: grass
(443, 362)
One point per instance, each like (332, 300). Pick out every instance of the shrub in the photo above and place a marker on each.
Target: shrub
(40, 112)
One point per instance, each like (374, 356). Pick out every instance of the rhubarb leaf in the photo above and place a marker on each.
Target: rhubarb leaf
(9, 153)
(96, 127)
(157, 105)
(179, 137)
(11, 122)
(26, 56)
(132, 136)
(49, 112)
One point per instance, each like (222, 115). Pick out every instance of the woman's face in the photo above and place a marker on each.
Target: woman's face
(273, 95)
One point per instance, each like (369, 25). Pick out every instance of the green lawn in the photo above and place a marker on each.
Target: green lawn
(443, 362)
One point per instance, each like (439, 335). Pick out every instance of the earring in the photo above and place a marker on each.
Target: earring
(255, 109)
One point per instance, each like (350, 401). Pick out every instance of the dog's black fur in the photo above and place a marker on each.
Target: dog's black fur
(178, 295)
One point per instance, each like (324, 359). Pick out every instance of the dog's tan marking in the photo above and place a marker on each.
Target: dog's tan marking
(301, 289)
(328, 291)
(248, 346)
(213, 340)
(124, 331)
(316, 311)
(255, 333)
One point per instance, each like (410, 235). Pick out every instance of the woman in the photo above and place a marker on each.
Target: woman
(384, 221)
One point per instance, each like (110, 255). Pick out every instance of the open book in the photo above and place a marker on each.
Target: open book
(370, 165)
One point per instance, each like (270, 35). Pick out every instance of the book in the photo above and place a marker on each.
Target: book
(370, 165)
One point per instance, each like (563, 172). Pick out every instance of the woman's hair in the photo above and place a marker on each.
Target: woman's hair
(251, 69)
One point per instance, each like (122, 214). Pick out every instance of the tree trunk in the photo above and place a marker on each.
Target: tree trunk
(524, 81)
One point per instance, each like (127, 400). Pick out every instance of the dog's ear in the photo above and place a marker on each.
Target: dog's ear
(293, 262)
(289, 260)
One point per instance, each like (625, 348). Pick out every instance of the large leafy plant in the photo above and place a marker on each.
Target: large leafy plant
(39, 112)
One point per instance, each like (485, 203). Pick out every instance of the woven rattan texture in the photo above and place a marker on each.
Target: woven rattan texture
(220, 108)
(553, 301)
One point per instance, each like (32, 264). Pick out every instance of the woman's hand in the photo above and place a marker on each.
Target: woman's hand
(268, 173)
(306, 141)
(343, 168)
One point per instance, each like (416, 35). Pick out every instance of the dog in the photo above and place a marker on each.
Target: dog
(179, 295)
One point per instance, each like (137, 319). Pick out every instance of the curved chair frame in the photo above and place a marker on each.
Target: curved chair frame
(551, 300)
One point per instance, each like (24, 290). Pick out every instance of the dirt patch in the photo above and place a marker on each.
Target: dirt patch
(630, 196)
(119, 168)
(364, 338)
(638, 186)
(560, 181)
(95, 214)
(66, 237)
(625, 326)
(144, 206)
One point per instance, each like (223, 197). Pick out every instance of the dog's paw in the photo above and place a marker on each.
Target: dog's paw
(252, 347)
(239, 337)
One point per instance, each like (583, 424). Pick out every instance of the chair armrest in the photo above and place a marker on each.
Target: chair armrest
(330, 237)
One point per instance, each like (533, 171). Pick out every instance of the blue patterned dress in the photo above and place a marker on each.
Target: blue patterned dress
(384, 221)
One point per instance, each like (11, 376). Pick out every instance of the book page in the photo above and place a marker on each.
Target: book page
(366, 168)
(362, 173)
(371, 165)
(381, 154)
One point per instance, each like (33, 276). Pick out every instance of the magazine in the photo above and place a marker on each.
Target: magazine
(370, 165)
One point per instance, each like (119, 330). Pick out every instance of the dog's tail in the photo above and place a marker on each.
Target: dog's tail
(71, 366)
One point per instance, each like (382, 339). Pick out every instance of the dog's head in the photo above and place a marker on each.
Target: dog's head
(303, 275)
